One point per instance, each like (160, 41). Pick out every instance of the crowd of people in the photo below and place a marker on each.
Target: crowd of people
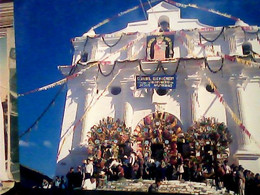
(158, 150)
(94, 173)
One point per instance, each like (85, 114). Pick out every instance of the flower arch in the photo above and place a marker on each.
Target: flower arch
(106, 137)
(209, 140)
(158, 128)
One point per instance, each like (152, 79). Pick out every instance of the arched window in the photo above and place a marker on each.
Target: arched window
(247, 48)
(161, 92)
(163, 23)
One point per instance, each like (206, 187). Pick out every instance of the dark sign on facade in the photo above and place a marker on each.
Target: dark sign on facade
(162, 82)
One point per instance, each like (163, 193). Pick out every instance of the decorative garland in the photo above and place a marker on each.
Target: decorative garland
(149, 74)
(114, 43)
(106, 75)
(70, 77)
(62, 81)
(176, 70)
(246, 32)
(246, 62)
(68, 132)
(91, 64)
(206, 139)
(214, 71)
(233, 115)
(213, 40)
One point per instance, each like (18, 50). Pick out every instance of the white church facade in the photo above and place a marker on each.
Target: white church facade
(164, 65)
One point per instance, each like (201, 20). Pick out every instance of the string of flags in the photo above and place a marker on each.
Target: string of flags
(42, 114)
(233, 115)
(75, 75)
(121, 14)
(202, 8)
(168, 1)
(183, 34)
(92, 64)
(69, 131)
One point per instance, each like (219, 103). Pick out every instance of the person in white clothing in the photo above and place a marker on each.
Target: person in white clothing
(89, 168)
(89, 184)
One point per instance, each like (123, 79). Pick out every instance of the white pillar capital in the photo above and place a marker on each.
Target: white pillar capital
(192, 83)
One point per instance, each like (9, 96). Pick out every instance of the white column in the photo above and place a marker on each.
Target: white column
(126, 108)
(247, 151)
(244, 138)
(90, 98)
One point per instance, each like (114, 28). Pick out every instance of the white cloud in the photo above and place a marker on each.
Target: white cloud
(47, 144)
(25, 144)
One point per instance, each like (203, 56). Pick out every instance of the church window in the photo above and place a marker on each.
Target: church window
(115, 90)
(161, 92)
(247, 48)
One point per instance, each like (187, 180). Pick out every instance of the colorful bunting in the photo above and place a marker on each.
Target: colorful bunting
(68, 132)
(233, 115)
(202, 8)
(247, 62)
(35, 124)
(120, 14)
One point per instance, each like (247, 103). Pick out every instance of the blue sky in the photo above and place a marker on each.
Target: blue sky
(43, 29)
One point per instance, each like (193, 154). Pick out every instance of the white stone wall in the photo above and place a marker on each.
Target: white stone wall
(190, 101)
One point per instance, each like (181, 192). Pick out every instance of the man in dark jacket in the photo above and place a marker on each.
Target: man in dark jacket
(71, 178)
(78, 177)
(154, 188)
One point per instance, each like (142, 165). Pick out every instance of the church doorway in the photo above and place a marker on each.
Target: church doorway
(157, 151)
(157, 136)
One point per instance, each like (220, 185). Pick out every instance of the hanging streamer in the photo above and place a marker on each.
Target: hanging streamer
(213, 40)
(210, 69)
(247, 62)
(176, 70)
(68, 132)
(152, 73)
(90, 65)
(202, 8)
(114, 43)
(121, 14)
(52, 102)
(169, 1)
(106, 75)
(60, 82)
(233, 115)
(43, 113)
